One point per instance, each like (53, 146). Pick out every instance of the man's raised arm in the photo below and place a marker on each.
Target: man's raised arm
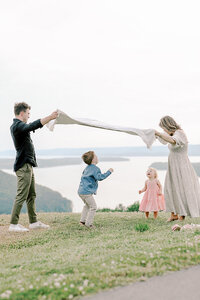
(46, 120)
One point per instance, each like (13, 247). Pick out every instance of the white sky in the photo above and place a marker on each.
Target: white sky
(125, 62)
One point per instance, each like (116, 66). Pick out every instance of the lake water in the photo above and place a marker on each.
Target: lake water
(121, 186)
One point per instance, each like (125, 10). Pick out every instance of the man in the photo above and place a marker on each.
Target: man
(24, 163)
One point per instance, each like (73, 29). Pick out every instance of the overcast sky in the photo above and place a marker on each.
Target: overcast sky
(125, 62)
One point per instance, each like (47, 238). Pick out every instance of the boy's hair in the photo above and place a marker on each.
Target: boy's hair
(155, 172)
(88, 157)
(20, 106)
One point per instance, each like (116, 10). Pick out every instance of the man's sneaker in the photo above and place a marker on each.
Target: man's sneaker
(38, 225)
(17, 228)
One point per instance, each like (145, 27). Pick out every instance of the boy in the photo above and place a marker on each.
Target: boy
(88, 186)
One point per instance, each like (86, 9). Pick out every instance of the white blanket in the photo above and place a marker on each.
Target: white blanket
(147, 135)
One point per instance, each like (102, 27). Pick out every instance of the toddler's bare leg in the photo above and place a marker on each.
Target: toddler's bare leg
(155, 214)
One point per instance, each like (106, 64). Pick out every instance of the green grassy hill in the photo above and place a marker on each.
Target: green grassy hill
(68, 261)
(47, 200)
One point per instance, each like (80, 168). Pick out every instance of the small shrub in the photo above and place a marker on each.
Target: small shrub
(104, 210)
(134, 207)
(141, 227)
(197, 232)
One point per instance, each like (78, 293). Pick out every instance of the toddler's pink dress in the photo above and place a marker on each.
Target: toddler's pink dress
(152, 201)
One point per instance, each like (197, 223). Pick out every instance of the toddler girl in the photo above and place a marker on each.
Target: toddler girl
(153, 199)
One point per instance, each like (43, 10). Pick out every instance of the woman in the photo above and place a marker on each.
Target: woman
(182, 188)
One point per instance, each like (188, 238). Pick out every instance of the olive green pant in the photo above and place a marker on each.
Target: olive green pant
(25, 192)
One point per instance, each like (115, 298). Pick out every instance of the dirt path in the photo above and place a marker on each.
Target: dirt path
(181, 285)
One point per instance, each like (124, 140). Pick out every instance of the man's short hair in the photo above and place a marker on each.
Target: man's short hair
(20, 106)
(88, 157)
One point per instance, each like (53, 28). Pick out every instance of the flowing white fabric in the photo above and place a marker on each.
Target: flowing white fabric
(147, 135)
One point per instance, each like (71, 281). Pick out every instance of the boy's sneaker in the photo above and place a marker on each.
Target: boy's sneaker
(17, 228)
(90, 226)
(82, 223)
(38, 225)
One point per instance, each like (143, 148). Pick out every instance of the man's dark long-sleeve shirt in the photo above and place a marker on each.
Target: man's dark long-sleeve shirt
(20, 132)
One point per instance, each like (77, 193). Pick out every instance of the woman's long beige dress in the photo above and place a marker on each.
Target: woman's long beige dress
(182, 188)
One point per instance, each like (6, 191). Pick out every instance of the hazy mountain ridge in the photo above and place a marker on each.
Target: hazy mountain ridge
(7, 163)
(194, 150)
(47, 200)
(163, 166)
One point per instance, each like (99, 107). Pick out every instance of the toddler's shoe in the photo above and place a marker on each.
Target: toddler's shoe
(38, 225)
(17, 228)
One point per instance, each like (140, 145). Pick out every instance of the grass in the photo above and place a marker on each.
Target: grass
(69, 261)
(141, 227)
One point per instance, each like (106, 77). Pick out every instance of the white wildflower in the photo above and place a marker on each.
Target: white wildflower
(71, 297)
(6, 294)
(9, 292)
(45, 284)
(57, 284)
(80, 288)
(85, 282)
(72, 285)
(142, 278)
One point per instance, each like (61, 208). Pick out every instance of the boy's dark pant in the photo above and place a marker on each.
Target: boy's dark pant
(25, 192)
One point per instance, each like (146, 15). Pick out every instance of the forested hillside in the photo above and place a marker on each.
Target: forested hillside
(47, 200)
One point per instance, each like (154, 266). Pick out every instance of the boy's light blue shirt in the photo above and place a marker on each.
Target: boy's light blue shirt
(89, 180)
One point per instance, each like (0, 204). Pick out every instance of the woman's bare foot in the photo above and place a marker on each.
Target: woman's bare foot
(147, 214)
(173, 217)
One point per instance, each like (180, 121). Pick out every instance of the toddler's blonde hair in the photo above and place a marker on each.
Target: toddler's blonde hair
(155, 171)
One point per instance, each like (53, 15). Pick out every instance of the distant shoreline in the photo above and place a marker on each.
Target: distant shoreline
(163, 166)
(7, 163)
(193, 150)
